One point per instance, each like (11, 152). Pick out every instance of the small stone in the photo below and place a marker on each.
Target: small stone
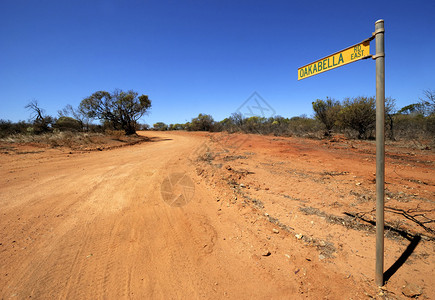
(242, 185)
(299, 236)
(321, 256)
(358, 183)
(275, 230)
(266, 214)
(411, 290)
(322, 243)
(266, 189)
(266, 253)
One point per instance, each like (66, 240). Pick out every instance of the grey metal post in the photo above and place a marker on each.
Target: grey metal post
(380, 149)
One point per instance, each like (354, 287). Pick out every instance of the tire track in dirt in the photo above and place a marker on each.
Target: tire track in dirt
(53, 246)
(34, 268)
(45, 271)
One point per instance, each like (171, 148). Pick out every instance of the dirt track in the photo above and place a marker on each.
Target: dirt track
(93, 225)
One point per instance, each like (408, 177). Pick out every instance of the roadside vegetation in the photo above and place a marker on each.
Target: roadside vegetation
(353, 117)
(119, 112)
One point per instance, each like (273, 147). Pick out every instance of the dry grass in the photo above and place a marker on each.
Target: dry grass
(116, 134)
(73, 140)
(60, 139)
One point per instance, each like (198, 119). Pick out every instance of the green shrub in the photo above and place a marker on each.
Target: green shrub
(202, 123)
(68, 124)
(358, 114)
(327, 111)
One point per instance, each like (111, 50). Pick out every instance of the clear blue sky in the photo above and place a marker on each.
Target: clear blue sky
(206, 56)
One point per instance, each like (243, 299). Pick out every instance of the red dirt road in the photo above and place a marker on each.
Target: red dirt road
(260, 224)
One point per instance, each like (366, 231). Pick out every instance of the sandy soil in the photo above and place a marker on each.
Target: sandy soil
(199, 215)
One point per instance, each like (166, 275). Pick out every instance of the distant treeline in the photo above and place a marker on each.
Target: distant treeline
(354, 117)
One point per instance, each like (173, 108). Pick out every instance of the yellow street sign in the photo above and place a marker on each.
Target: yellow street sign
(338, 59)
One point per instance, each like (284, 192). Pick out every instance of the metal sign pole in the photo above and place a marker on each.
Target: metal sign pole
(348, 55)
(380, 149)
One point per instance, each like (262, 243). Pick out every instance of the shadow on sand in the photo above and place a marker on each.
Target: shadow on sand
(414, 241)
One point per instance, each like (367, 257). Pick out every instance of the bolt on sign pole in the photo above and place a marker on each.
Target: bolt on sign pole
(348, 55)
(380, 149)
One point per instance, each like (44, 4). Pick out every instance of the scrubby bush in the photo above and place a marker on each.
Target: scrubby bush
(299, 126)
(8, 128)
(358, 114)
(327, 111)
(41, 123)
(303, 126)
(143, 127)
(254, 124)
(176, 126)
(414, 126)
(67, 124)
(116, 134)
(160, 126)
(427, 103)
(202, 123)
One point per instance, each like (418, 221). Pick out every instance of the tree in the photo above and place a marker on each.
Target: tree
(427, 104)
(77, 113)
(237, 119)
(327, 113)
(41, 121)
(411, 109)
(68, 124)
(231, 124)
(144, 126)
(359, 114)
(202, 123)
(254, 124)
(121, 109)
(176, 126)
(160, 126)
(390, 112)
